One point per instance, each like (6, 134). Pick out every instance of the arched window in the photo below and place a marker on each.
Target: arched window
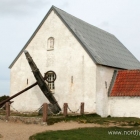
(50, 43)
(50, 80)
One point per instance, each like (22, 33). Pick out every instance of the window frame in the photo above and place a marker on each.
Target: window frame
(50, 44)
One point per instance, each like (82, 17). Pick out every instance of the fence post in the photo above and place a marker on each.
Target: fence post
(65, 111)
(7, 110)
(82, 108)
(45, 112)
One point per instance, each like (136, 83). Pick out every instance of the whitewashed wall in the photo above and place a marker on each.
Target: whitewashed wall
(113, 106)
(103, 74)
(124, 106)
(67, 59)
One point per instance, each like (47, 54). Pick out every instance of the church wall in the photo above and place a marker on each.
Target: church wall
(124, 107)
(113, 106)
(103, 78)
(75, 70)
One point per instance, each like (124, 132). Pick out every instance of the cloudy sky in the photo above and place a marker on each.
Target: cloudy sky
(19, 19)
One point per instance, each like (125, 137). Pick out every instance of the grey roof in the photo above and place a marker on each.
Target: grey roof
(103, 47)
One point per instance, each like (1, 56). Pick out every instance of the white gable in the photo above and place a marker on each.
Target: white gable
(76, 72)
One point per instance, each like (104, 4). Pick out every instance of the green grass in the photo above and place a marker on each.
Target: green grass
(89, 118)
(94, 118)
(88, 134)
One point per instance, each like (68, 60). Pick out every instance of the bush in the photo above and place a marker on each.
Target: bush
(4, 97)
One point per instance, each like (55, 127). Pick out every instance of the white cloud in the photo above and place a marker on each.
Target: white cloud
(21, 7)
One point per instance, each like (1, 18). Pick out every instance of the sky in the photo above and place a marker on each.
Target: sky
(20, 18)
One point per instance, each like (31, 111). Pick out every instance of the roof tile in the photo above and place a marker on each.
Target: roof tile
(127, 83)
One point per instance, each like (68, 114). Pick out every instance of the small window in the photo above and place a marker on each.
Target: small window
(50, 43)
(50, 80)
(51, 85)
(27, 81)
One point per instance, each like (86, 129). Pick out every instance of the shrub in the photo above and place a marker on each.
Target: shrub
(4, 97)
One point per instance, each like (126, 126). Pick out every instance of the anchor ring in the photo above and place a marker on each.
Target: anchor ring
(50, 76)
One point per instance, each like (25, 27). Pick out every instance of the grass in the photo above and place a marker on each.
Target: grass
(88, 134)
(26, 114)
(94, 118)
(89, 118)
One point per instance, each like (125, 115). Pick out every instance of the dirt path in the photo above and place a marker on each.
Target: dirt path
(20, 131)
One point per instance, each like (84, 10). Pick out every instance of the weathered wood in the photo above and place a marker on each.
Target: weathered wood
(7, 110)
(65, 109)
(45, 112)
(17, 94)
(41, 82)
(82, 108)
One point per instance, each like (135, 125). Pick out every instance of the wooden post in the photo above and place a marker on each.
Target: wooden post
(65, 111)
(82, 108)
(45, 112)
(7, 110)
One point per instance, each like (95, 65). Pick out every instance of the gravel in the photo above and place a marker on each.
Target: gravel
(20, 131)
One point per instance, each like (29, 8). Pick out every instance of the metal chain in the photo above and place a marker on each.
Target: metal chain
(37, 109)
(2, 107)
(15, 109)
(28, 112)
(74, 111)
(53, 114)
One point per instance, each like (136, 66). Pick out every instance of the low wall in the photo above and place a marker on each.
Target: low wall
(26, 120)
(124, 107)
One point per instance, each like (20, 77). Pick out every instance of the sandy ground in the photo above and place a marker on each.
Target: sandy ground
(20, 131)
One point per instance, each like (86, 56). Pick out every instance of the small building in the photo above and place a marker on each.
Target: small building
(124, 94)
(83, 57)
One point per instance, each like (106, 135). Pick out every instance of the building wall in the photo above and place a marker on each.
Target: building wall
(124, 106)
(67, 60)
(113, 106)
(103, 78)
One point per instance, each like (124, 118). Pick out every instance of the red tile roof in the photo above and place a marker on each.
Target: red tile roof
(127, 83)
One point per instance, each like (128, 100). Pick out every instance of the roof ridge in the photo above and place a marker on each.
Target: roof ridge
(81, 20)
(103, 47)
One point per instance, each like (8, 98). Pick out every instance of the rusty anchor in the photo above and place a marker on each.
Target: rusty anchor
(40, 82)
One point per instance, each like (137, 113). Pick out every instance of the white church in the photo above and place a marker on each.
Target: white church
(92, 66)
